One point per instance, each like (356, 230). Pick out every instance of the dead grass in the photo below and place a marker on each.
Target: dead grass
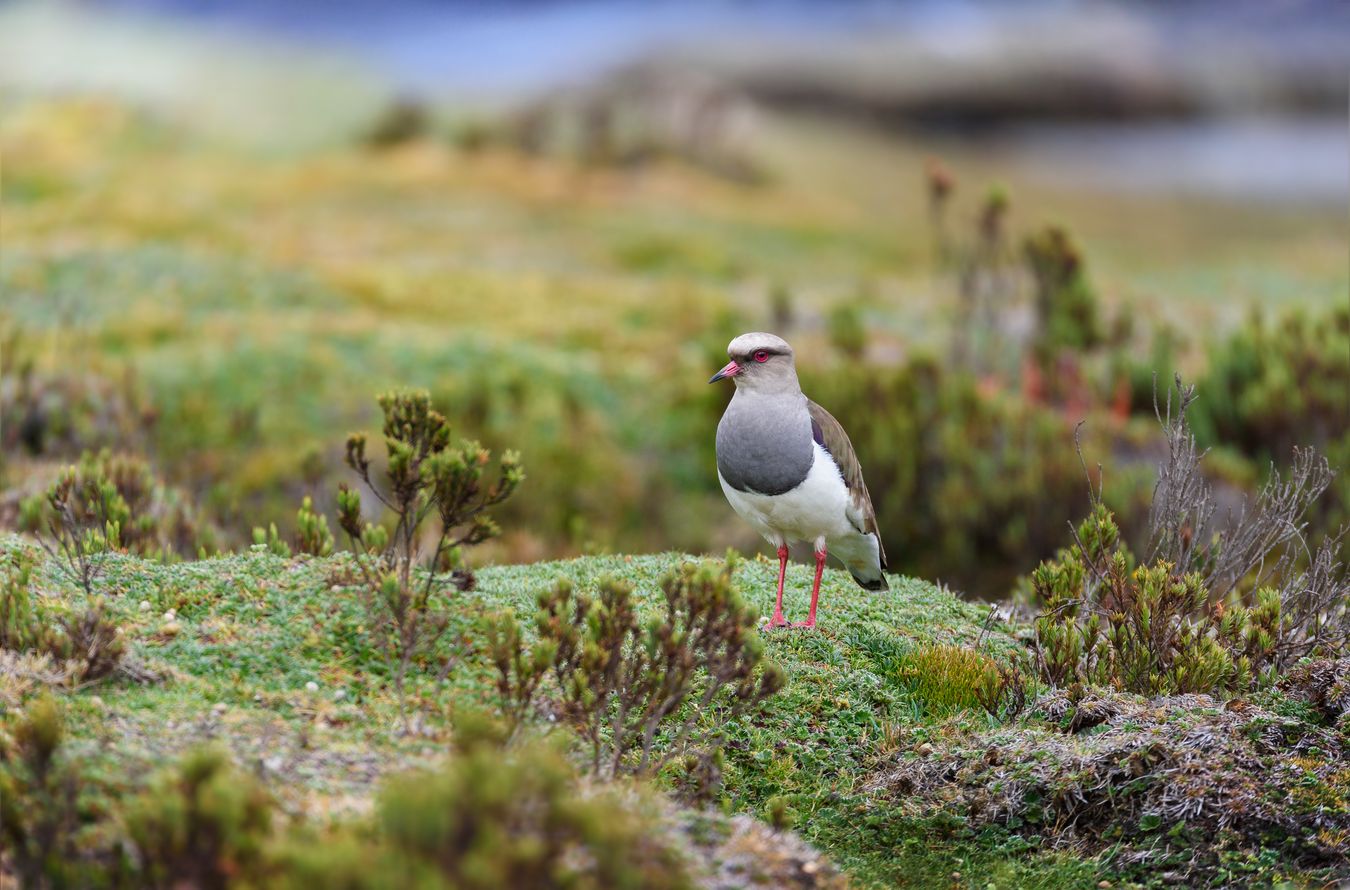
(1086, 770)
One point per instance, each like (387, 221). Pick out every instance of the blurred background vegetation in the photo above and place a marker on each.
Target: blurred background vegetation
(226, 227)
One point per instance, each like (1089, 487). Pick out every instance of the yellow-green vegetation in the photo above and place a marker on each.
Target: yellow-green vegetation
(945, 679)
(227, 314)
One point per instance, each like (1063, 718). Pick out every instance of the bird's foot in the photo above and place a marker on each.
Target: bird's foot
(808, 624)
(776, 622)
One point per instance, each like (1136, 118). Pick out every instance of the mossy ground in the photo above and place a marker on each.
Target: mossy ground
(251, 631)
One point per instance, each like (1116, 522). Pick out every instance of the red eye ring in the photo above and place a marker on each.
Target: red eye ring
(762, 355)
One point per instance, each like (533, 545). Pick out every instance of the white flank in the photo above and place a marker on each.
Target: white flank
(820, 507)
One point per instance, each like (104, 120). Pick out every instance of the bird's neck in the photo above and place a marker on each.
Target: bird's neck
(769, 399)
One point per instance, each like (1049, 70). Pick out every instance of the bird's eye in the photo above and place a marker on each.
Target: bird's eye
(762, 355)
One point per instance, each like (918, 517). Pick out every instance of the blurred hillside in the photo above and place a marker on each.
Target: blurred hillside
(224, 232)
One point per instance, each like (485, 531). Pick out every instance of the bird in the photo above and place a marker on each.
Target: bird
(787, 467)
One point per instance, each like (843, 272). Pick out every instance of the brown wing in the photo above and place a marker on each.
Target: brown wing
(831, 436)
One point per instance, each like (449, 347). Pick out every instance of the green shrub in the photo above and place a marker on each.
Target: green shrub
(1156, 629)
(272, 540)
(403, 121)
(1270, 388)
(39, 817)
(21, 627)
(49, 830)
(203, 824)
(968, 487)
(85, 639)
(1217, 606)
(62, 413)
(113, 501)
(424, 475)
(312, 535)
(93, 640)
(521, 668)
(1107, 621)
(488, 819)
(848, 336)
(80, 522)
(1066, 305)
(571, 417)
(643, 693)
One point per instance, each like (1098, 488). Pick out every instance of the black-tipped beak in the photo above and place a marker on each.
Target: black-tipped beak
(730, 370)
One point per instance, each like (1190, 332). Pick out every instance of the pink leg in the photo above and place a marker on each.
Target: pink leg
(778, 620)
(815, 591)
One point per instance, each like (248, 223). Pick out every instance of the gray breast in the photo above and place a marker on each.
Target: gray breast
(764, 443)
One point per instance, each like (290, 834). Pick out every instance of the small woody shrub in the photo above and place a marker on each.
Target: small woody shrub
(1217, 607)
(493, 818)
(1147, 629)
(201, 824)
(643, 693)
(80, 522)
(87, 640)
(426, 478)
(1066, 305)
(39, 813)
(521, 668)
(109, 502)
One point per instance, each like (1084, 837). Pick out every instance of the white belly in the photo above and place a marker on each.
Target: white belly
(817, 508)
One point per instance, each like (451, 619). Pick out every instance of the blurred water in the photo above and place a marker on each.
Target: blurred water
(524, 45)
(1301, 159)
(1295, 150)
(510, 48)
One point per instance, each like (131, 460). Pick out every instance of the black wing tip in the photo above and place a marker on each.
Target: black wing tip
(875, 585)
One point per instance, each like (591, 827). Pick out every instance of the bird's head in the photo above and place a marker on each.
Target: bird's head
(761, 362)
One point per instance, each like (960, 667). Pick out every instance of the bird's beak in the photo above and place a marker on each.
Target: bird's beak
(730, 370)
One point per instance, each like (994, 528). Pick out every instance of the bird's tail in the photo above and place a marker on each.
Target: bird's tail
(870, 583)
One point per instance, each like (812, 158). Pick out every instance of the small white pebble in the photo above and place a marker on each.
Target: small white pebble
(339, 695)
(144, 606)
(311, 686)
(171, 615)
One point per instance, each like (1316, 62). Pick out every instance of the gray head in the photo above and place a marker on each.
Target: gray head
(760, 362)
